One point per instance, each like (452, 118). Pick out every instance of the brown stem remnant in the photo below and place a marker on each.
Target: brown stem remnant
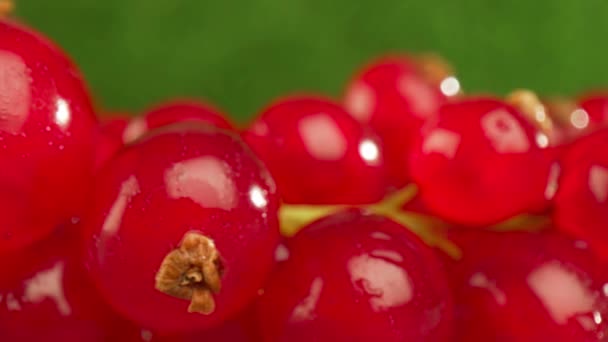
(6, 7)
(561, 109)
(192, 272)
(531, 106)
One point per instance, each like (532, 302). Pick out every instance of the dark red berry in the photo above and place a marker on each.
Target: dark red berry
(395, 96)
(581, 203)
(481, 162)
(183, 228)
(521, 286)
(353, 277)
(47, 132)
(317, 153)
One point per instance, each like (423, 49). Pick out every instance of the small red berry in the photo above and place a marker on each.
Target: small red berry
(354, 277)
(481, 162)
(521, 286)
(317, 153)
(47, 133)
(595, 105)
(581, 203)
(110, 141)
(182, 229)
(173, 112)
(396, 95)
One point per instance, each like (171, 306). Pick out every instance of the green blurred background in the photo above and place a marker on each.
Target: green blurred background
(242, 54)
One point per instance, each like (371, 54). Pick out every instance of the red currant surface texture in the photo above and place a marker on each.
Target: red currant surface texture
(595, 106)
(44, 295)
(351, 277)
(394, 98)
(482, 162)
(318, 153)
(111, 131)
(183, 220)
(581, 203)
(173, 112)
(186, 110)
(521, 286)
(46, 137)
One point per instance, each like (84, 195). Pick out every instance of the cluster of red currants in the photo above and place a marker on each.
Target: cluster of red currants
(305, 225)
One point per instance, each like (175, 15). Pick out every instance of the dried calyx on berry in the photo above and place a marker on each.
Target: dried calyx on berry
(192, 272)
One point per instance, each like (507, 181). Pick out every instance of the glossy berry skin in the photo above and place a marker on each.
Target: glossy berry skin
(596, 107)
(44, 295)
(352, 277)
(172, 182)
(173, 112)
(47, 132)
(521, 286)
(111, 130)
(317, 153)
(480, 163)
(394, 98)
(581, 203)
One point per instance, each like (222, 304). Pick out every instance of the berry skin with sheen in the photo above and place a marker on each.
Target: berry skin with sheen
(111, 131)
(173, 112)
(595, 105)
(47, 133)
(522, 286)
(581, 203)
(482, 162)
(353, 277)
(396, 97)
(45, 295)
(317, 153)
(182, 229)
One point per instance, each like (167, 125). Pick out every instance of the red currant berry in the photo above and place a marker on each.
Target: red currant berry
(317, 153)
(481, 162)
(173, 112)
(110, 140)
(595, 105)
(183, 228)
(395, 96)
(521, 286)
(581, 203)
(47, 137)
(352, 277)
(44, 294)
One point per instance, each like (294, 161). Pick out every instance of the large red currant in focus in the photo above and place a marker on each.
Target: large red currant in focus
(45, 295)
(522, 286)
(353, 277)
(396, 97)
(317, 153)
(581, 203)
(481, 162)
(183, 228)
(47, 133)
